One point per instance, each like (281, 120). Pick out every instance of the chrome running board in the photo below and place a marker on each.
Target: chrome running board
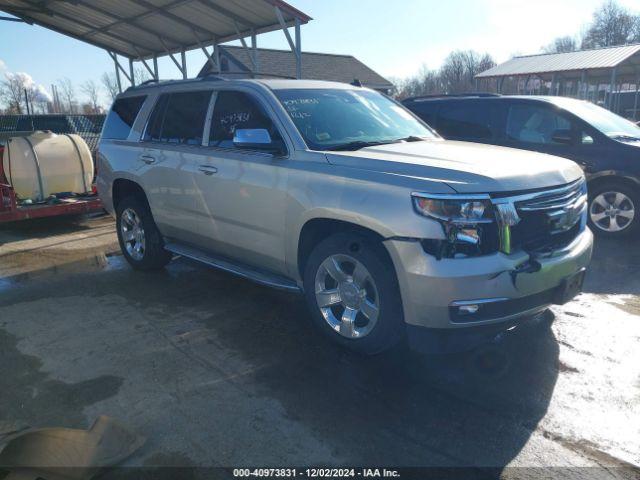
(245, 271)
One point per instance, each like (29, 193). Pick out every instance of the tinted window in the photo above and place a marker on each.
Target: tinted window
(532, 123)
(425, 110)
(468, 120)
(236, 110)
(154, 125)
(184, 118)
(121, 117)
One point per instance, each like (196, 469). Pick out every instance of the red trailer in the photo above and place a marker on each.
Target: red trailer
(11, 210)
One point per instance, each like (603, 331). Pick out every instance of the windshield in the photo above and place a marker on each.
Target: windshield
(332, 119)
(608, 123)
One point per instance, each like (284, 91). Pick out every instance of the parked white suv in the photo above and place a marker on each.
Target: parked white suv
(339, 192)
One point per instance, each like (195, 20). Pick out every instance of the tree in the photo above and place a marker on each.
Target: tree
(20, 93)
(612, 25)
(562, 45)
(12, 92)
(68, 95)
(140, 74)
(110, 84)
(456, 75)
(92, 91)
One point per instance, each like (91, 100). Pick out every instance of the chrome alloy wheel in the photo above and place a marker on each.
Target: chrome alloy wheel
(132, 233)
(347, 296)
(612, 211)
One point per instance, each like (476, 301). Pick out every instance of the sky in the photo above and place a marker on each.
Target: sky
(395, 38)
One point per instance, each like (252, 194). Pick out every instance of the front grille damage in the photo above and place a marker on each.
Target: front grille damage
(544, 220)
(536, 222)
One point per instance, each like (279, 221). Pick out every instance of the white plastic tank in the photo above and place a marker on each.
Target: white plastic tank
(44, 164)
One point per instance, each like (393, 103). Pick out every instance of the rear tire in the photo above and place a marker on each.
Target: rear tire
(352, 292)
(139, 238)
(614, 209)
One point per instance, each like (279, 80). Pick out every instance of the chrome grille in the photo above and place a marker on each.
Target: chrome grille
(542, 220)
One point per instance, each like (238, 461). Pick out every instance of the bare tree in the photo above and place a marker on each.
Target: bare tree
(12, 92)
(68, 95)
(92, 91)
(456, 75)
(612, 25)
(562, 45)
(110, 84)
(140, 74)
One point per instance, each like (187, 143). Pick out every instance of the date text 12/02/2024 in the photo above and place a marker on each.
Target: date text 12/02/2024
(316, 473)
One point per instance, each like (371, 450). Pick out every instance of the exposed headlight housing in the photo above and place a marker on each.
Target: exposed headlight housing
(468, 223)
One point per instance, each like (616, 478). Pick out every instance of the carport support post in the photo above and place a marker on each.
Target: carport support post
(612, 86)
(115, 62)
(552, 90)
(635, 100)
(183, 61)
(132, 76)
(254, 50)
(155, 68)
(298, 50)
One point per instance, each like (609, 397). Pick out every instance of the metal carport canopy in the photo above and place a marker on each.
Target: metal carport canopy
(143, 29)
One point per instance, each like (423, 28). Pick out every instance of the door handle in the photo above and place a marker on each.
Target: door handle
(208, 169)
(148, 159)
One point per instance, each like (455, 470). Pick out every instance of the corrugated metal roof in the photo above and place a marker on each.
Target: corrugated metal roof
(562, 62)
(316, 66)
(143, 28)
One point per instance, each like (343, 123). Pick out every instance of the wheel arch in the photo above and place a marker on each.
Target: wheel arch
(123, 187)
(612, 176)
(317, 229)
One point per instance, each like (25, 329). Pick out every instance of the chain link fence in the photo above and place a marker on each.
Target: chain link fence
(86, 126)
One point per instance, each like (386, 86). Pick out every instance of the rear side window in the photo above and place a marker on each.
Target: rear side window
(184, 118)
(121, 117)
(465, 120)
(179, 118)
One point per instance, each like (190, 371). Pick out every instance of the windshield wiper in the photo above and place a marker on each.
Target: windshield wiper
(358, 145)
(411, 138)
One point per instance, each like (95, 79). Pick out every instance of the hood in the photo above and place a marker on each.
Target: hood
(465, 167)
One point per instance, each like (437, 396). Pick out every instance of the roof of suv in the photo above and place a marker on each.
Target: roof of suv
(273, 84)
(492, 98)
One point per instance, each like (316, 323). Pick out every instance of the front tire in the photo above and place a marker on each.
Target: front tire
(139, 238)
(353, 295)
(614, 209)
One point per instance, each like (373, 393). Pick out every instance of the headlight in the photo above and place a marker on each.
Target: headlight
(468, 224)
(453, 209)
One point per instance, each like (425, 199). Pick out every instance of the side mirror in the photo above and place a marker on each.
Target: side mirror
(564, 137)
(256, 139)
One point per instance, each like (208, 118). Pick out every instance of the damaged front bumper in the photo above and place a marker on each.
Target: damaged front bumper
(504, 287)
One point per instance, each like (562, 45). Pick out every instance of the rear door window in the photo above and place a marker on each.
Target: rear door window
(184, 118)
(153, 131)
(121, 117)
(237, 110)
(470, 120)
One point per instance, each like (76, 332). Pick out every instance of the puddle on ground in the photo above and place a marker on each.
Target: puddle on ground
(98, 262)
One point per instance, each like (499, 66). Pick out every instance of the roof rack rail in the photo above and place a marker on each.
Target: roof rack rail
(219, 76)
(142, 84)
(453, 95)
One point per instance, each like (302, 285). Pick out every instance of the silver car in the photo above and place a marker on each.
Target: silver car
(342, 194)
